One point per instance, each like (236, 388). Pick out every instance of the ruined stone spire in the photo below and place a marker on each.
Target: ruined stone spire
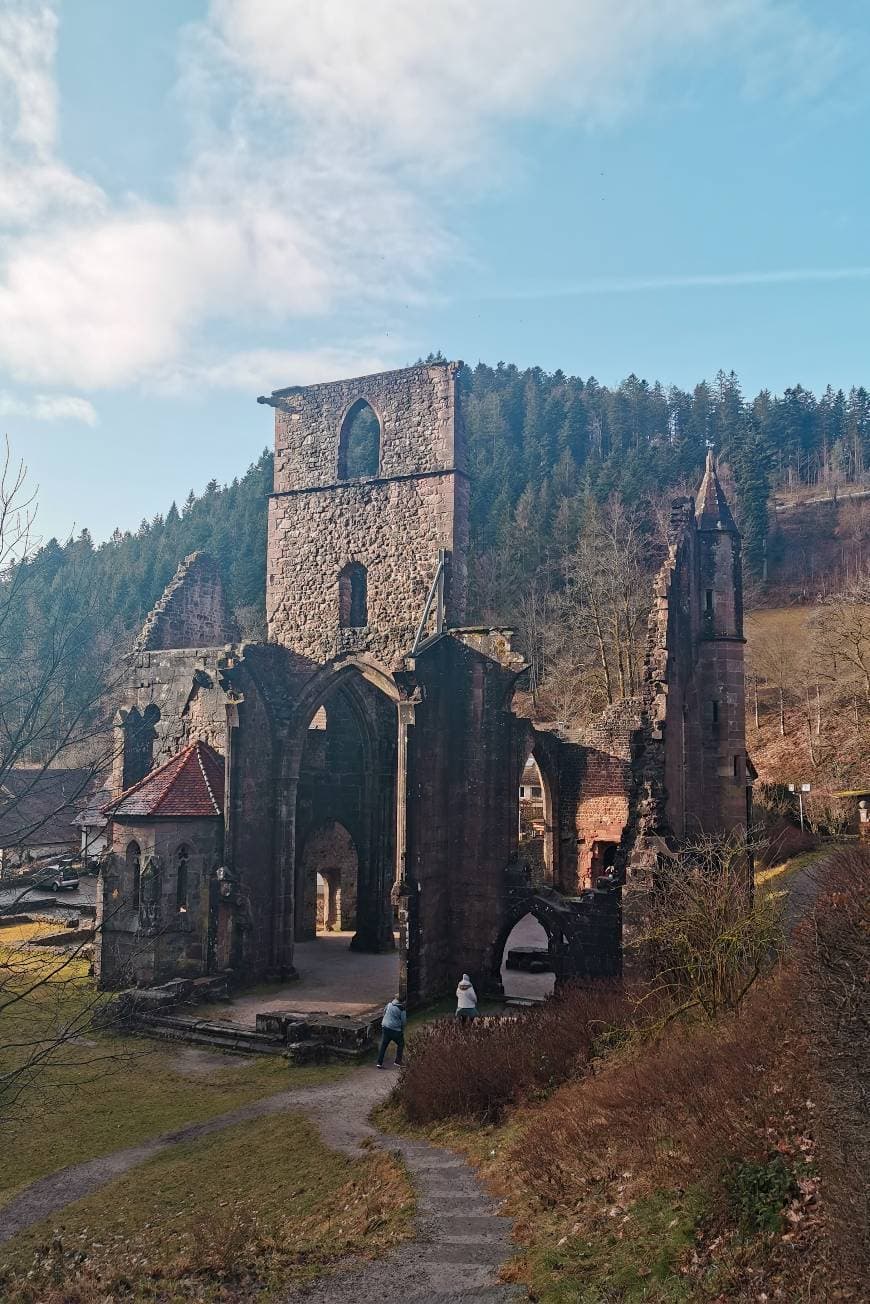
(711, 506)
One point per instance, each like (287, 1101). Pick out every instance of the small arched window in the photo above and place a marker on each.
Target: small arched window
(133, 858)
(181, 887)
(353, 597)
(359, 442)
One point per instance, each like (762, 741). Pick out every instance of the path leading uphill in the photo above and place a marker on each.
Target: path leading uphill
(459, 1239)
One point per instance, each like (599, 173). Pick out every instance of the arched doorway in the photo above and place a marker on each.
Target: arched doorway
(527, 969)
(329, 869)
(345, 826)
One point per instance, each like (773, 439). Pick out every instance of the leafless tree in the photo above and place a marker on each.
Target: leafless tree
(772, 655)
(595, 637)
(58, 667)
(56, 673)
(707, 936)
(843, 628)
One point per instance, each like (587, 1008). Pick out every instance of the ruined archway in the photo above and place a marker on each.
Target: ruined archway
(340, 770)
(536, 819)
(527, 962)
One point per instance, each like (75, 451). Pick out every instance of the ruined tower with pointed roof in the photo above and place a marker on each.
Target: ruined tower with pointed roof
(722, 715)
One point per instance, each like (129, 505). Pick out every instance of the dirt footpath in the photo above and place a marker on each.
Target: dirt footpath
(459, 1242)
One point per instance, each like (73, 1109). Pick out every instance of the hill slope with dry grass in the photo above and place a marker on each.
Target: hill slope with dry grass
(807, 712)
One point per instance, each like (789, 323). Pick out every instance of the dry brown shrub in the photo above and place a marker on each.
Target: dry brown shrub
(706, 938)
(699, 1095)
(476, 1069)
(834, 947)
(782, 840)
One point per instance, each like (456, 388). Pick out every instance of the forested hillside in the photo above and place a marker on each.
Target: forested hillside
(541, 446)
(570, 488)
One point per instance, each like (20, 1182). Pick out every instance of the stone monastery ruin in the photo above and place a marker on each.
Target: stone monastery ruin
(372, 740)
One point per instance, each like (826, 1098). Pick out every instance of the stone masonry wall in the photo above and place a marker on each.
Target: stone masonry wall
(596, 785)
(169, 942)
(192, 611)
(393, 524)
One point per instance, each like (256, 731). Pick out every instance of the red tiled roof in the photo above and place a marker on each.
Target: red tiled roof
(189, 783)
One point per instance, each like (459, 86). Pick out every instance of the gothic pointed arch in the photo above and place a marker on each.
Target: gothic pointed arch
(359, 442)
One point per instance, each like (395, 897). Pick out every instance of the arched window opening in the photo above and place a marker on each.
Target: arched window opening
(359, 443)
(182, 856)
(318, 720)
(536, 833)
(353, 597)
(133, 858)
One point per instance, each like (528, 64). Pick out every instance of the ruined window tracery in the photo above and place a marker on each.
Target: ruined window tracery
(182, 856)
(353, 596)
(359, 444)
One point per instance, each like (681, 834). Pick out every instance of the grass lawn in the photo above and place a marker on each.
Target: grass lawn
(102, 1092)
(176, 1228)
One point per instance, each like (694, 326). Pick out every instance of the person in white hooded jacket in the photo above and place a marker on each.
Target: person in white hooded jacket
(466, 999)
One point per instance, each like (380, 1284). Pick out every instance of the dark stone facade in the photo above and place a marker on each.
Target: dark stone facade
(387, 755)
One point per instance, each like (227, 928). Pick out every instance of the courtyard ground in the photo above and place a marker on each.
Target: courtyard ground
(332, 980)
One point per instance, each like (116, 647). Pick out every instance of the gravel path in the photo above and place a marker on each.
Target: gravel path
(459, 1243)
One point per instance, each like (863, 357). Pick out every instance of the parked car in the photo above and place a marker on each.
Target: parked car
(59, 878)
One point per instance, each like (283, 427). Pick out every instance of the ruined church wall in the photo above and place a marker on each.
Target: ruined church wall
(392, 523)
(394, 529)
(184, 687)
(192, 611)
(465, 756)
(595, 793)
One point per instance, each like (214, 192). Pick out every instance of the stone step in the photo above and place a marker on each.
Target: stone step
(477, 1253)
(200, 1033)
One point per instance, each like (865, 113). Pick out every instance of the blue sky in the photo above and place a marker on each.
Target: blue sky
(202, 200)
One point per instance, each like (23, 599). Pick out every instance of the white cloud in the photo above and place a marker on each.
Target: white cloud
(428, 84)
(33, 181)
(699, 281)
(327, 142)
(258, 371)
(49, 407)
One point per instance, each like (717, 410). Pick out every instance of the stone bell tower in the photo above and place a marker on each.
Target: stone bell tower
(720, 673)
(370, 487)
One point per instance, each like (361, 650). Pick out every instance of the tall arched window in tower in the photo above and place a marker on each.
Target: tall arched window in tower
(353, 596)
(133, 857)
(181, 886)
(359, 443)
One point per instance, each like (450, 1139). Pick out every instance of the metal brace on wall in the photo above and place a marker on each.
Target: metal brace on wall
(436, 599)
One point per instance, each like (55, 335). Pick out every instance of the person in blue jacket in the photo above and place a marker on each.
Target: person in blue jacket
(393, 1029)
